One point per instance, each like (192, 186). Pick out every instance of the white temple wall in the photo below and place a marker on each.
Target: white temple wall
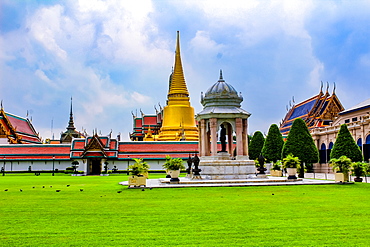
(41, 165)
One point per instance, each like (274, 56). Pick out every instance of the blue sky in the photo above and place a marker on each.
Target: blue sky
(114, 56)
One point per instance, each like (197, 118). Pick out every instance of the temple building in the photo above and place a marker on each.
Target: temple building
(324, 114)
(318, 111)
(146, 127)
(16, 130)
(176, 121)
(357, 119)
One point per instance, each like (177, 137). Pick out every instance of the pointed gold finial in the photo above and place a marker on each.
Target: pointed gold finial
(178, 85)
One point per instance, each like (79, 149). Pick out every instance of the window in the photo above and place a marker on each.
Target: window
(354, 119)
(346, 121)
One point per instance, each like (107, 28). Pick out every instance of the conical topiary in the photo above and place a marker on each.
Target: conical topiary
(273, 144)
(300, 143)
(346, 145)
(256, 145)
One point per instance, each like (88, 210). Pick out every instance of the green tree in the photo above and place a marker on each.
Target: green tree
(256, 145)
(346, 145)
(273, 144)
(300, 143)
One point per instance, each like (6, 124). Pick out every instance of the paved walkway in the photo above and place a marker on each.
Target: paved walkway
(269, 181)
(330, 176)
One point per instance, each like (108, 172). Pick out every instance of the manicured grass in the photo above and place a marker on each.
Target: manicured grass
(324, 215)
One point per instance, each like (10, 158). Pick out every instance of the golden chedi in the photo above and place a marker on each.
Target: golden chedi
(178, 116)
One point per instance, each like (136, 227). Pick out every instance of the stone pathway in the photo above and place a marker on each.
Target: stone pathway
(330, 176)
(269, 181)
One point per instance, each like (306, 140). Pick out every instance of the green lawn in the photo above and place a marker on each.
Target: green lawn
(323, 215)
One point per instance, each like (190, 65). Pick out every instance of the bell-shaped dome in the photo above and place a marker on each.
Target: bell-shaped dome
(221, 88)
(221, 94)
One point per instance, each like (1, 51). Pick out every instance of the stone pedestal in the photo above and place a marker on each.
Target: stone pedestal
(261, 176)
(222, 167)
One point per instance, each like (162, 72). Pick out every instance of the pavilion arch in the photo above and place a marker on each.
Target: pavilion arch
(209, 132)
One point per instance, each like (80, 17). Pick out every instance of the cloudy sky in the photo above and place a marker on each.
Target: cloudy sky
(115, 56)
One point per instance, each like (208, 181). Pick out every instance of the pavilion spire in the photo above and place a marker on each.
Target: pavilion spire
(178, 84)
(221, 77)
(71, 123)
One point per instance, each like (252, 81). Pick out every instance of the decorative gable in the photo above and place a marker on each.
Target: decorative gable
(318, 111)
(94, 147)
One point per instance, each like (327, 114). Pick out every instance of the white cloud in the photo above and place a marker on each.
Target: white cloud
(45, 25)
(316, 73)
(42, 76)
(203, 44)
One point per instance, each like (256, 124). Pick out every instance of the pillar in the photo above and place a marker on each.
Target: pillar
(239, 137)
(245, 137)
(230, 139)
(203, 138)
(213, 126)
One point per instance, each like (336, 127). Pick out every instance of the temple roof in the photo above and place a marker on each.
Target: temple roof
(36, 152)
(18, 129)
(317, 111)
(363, 105)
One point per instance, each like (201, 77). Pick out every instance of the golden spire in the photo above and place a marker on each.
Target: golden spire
(178, 85)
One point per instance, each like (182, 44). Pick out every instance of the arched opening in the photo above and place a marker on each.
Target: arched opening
(226, 138)
(359, 142)
(328, 151)
(323, 154)
(366, 149)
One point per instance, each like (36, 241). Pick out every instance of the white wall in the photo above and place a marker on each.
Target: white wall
(40, 165)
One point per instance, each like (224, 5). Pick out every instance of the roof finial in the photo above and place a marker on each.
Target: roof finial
(321, 87)
(327, 87)
(2, 108)
(334, 88)
(221, 78)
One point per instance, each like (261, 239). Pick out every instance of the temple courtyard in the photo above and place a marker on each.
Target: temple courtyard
(64, 210)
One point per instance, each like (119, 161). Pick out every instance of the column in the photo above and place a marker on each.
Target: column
(239, 137)
(230, 139)
(245, 137)
(202, 138)
(213, 125)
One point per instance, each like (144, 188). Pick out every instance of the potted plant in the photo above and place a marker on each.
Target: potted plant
(366, 168)
(276, 169)
(358, 169)
(291, 164)
(341, 167)
(138, 173)
(173, 167)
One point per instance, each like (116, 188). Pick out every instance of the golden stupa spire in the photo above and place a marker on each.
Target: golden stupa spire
(178, 85)
(178, 115)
